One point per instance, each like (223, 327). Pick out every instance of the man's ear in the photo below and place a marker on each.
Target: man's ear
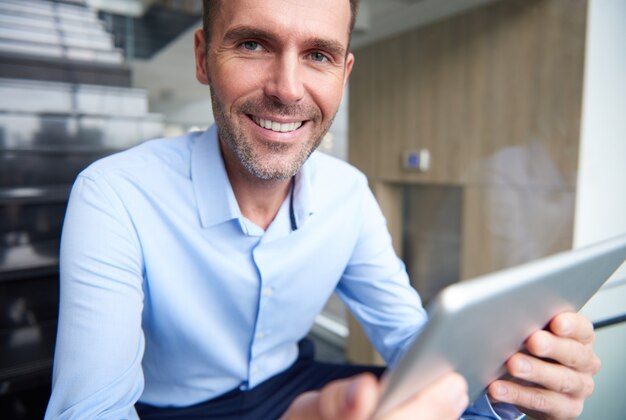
(349, 64)
(200, 53)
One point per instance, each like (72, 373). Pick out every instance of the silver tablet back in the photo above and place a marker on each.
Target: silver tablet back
(476, 325)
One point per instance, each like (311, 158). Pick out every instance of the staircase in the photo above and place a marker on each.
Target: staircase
(46, 40)
(65, 101)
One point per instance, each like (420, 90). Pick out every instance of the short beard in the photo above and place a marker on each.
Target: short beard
(235, 138)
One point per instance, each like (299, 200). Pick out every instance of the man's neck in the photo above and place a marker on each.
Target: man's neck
(259, 200)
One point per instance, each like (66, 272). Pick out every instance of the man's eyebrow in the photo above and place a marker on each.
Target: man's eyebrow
(333, 47)
(247, 32)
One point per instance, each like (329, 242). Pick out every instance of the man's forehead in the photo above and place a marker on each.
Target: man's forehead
(322, 19)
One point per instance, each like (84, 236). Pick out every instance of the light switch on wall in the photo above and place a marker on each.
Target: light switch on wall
(416, 160)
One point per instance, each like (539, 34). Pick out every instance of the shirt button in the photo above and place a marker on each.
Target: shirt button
(268, 292)
(260, 335)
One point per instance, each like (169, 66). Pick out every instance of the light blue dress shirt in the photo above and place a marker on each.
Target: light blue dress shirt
(170, 296)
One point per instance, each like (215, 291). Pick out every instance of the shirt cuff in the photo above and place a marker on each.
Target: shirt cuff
(483, 409)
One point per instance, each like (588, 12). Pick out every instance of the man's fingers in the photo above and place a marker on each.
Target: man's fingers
(356, 399)
(549, 404)
(445, 399)
(566, 351)
(573, 325)
(553, 380)
(305, 407)
(550, 375)
(348, 399)
(353, 398)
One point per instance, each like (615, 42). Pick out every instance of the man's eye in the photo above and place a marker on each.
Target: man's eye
(251, 45)
(317, 56)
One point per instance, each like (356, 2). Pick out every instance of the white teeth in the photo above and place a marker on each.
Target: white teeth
(276, 126)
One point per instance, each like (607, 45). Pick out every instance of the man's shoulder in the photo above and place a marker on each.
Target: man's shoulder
(152, 155)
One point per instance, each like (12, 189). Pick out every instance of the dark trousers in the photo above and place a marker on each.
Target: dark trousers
(268, 400)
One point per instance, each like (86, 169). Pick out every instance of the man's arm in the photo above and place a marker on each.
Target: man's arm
(97, 366)
(375, 285)
(376, 289)
(556, 378)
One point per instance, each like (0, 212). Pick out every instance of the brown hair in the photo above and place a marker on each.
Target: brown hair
(210, 8)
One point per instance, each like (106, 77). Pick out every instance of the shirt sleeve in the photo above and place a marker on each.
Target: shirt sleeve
(483, 409)
(97, 363)
(375, 286)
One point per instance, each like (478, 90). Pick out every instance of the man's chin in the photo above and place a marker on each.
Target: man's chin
(273, 174)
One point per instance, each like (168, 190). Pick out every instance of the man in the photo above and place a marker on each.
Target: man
(192, 267)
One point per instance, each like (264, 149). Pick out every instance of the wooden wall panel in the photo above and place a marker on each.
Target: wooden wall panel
(498, 86)
(496, 95)
(506, 74)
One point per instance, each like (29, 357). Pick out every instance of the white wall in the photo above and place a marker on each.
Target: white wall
(601, 191)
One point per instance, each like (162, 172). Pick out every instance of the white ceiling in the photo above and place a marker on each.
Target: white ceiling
(170, 75)
(379, 19)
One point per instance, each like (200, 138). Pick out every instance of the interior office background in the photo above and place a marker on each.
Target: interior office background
(492, 133)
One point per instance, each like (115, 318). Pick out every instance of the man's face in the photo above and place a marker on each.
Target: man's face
(276, 69)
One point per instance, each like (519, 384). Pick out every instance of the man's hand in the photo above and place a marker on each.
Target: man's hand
(556, 378)
(356, 398)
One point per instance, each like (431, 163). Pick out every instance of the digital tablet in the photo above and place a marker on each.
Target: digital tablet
(475, 326)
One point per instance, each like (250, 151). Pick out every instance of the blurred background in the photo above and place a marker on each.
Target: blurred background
(493, 133)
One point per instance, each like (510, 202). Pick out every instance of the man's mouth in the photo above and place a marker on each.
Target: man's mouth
(277, 126)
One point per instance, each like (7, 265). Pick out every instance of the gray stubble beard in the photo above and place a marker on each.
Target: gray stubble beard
(235, 140)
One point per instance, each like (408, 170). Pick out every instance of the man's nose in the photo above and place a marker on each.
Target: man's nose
(285, 84)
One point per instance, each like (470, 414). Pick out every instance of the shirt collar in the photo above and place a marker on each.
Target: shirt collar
(302, 194)
(214, 195)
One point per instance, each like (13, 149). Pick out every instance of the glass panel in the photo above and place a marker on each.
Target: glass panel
(37, 131)
(33, 96)
(70, 25)
(55, 38)
(16, 95)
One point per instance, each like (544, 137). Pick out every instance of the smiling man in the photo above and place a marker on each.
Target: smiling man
(276, 72)
(193, 267)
